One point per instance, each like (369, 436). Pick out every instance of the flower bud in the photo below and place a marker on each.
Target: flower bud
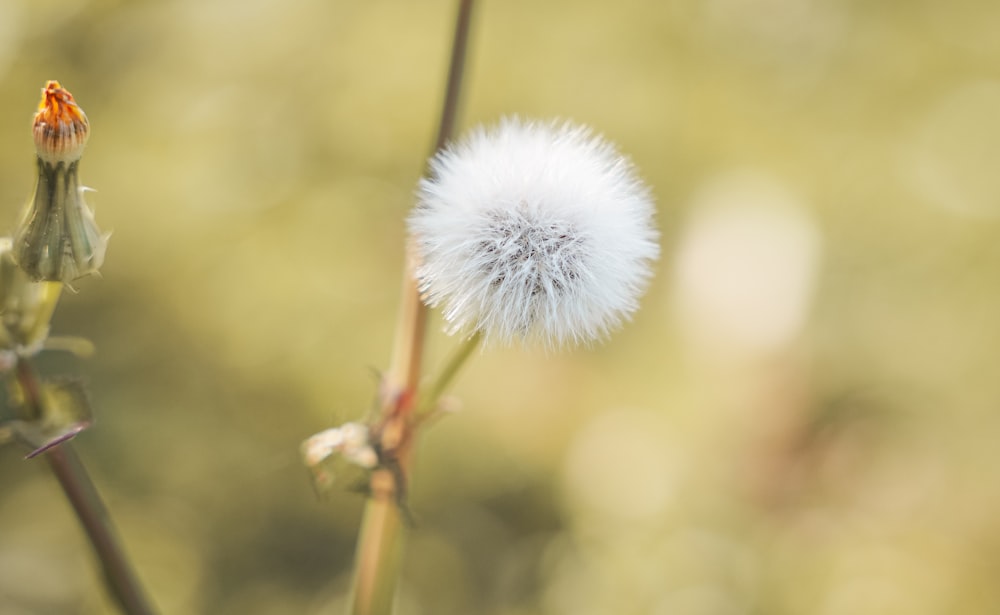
(58, 239)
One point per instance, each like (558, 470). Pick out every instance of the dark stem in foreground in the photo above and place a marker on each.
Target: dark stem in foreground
(119, 576)
(456, 71)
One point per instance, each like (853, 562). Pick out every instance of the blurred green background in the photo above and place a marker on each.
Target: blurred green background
(802, 418)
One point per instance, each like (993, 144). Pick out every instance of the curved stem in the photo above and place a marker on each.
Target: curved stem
(90, 509)
(380, 541)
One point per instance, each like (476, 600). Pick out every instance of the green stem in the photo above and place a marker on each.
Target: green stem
(437, 388)
(379, 549)
(69, 470)
(382, 532)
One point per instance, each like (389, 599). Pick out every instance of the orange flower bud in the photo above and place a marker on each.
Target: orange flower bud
(60, 127)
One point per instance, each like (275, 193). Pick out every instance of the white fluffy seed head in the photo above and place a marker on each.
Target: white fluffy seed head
(533, 231)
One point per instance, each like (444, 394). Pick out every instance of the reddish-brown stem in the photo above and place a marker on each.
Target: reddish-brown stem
(82, 494)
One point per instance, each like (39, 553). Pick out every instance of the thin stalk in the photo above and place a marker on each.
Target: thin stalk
(437, 388)
(456, 72)
(119, 575)
(382, 532)
(380, 545)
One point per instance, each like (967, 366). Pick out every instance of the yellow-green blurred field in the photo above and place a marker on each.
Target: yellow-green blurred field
(802, 418)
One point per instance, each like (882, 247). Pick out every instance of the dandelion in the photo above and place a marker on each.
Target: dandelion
(58, 239)
(533, 231)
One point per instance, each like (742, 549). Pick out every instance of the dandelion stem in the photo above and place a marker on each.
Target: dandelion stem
(380, 541)
(451, 369)
(379, 548)
(69, 470)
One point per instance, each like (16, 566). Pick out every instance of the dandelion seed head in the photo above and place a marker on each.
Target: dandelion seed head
(533, 231)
